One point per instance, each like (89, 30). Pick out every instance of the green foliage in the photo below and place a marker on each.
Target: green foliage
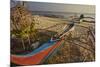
(22, 24)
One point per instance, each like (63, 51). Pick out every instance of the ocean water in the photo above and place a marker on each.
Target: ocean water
(62, 14)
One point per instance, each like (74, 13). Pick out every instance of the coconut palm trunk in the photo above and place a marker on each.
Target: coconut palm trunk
(23, 44)
(29, 40)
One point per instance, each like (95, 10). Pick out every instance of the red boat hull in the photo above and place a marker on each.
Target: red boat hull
(34, 59)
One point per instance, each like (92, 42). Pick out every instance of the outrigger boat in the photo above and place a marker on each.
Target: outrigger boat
(40, 54)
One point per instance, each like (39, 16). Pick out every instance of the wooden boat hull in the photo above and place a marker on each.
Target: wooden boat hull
(37, 56)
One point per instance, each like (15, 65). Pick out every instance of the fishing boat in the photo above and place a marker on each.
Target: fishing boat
(39, 55)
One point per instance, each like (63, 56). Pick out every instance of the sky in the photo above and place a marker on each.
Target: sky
(39, 6)
(55, 7)
(90, 2)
